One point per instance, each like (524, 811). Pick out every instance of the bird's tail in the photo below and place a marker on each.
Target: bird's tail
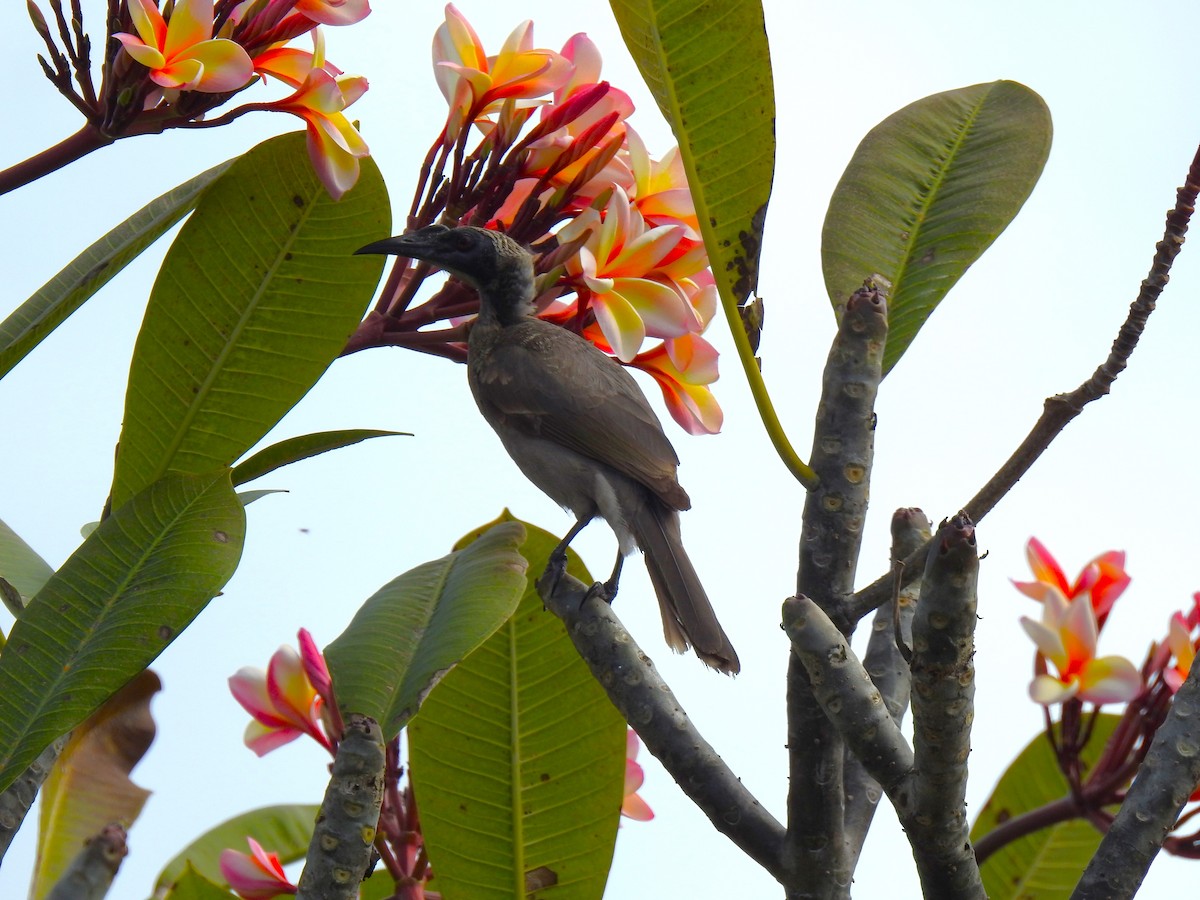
(688, 617)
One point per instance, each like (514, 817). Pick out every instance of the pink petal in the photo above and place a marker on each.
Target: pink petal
(1048, 641)
(262, 739)
(334, 12)
(619, 322)
(140, 52)
(634, 807)
(1045, 567)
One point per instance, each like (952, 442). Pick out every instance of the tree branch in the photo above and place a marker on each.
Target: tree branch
(834, 512)
(1152, 805)
(888, 671)
(645, 700)
(943, 693)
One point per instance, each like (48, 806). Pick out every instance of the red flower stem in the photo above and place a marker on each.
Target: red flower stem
(77, 146)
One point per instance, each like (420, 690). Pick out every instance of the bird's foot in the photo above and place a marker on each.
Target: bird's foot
(605, 590)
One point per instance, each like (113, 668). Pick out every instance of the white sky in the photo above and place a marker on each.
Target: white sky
(1032, 318)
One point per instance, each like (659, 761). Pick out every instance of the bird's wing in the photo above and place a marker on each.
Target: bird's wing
(551, 383)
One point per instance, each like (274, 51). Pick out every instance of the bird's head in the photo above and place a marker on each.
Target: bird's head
(499, 268)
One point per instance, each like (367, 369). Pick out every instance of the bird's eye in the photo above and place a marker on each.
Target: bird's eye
(461, 240)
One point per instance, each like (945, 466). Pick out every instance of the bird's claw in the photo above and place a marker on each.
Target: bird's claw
(605, 590)
(556, 568)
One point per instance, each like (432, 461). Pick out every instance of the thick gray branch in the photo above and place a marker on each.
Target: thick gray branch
(16, 800)
(888, 670)
(843, 448)
(1165, 779)
(646, 702)
(943, 692)
(91, 872)
(340, 850)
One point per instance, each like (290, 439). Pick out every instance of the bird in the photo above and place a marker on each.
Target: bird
(576, 424)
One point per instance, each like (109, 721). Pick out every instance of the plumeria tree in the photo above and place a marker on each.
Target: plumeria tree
(523, 700)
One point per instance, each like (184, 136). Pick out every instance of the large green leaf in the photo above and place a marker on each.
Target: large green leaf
(928, 190)
(419, 625)
(1046, 864)
(295, 449)
(20, 565)
(54, 301)
(256, 297)
(136, 582)
(89, 786)
(284, 830)
(709, 68)
(517, 761)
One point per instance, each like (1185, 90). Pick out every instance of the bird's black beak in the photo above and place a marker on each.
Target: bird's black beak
(393, 246)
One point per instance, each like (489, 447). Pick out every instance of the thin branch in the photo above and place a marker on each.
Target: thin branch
(90, 874)
(1061, 409)
(18, 797)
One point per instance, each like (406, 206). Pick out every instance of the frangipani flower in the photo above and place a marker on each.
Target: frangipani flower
(1066, 637)
(181, 53)
(631, 274)
(334, 146)
(1104, 577)
(257, 875)
(282, 700)
(474, 84)
(633, 806)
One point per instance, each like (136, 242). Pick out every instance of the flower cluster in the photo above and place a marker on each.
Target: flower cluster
(618, 251)
(1073, 614)
(167, 67)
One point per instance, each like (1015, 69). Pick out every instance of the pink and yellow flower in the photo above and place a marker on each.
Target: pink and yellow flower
(1066, 637)
(334, 145)
(631, 275)
(1104, 578)
(181, 52)
(475, 84)
(257, 875)
(283, 701)
(633, 806)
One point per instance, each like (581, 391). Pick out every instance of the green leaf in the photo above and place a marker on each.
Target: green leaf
(122, 597)
(518, 760)
(20, 564)
(284, 830)
(58, 298)
(1047, 863)
(89, 786)
(709, 69)
(295, 449)
(256, 297)
(928, 190)
(191, 885)
(419, 625)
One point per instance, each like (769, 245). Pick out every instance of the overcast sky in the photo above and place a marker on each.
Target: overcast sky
(1032, 318)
